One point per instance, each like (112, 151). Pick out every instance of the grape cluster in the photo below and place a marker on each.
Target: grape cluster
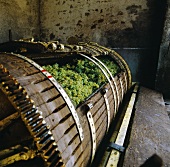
(112, 66)
(80, 78)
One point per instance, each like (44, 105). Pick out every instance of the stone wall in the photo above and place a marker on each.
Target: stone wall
(163, 70)
(21, 17)
(116, 24)
(130, 23)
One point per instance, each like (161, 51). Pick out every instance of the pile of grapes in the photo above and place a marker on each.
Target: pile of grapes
(81, 77)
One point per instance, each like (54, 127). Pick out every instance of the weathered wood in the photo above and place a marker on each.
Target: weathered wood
(71, 160)
(99, 110)
(55, 118)
(48, 108)
(101, 132)
(57, 114)
(60, 130)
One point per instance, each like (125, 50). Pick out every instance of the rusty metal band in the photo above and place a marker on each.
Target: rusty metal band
(62, 92)
(125, 82)
(116, 58)
(93, 133)
(125, 67)
(96, 49)
(121, 85)
(117, 91)
(114, 94)
(114, 82)
(103, 71)
(100, 50)
(108, 110)
(89, 50)
(104, 49)
(119, 60)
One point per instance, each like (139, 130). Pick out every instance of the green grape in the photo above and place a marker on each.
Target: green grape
(81, 77)
(111, 65)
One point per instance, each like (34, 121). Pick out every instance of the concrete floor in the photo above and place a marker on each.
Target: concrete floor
(149, 144)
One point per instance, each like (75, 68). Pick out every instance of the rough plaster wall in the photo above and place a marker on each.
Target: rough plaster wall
(163, 70)
(123, 23)
(19, 16)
